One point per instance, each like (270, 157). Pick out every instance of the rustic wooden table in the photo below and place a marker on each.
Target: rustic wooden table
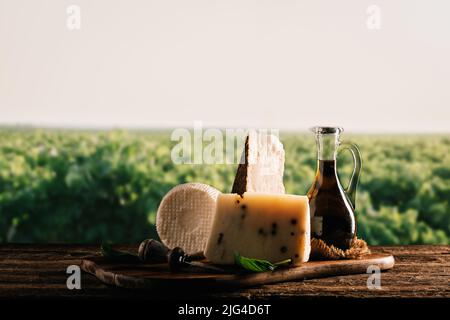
(39, 271)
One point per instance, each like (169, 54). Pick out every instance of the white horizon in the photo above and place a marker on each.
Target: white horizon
(232, 64)
(109, 127)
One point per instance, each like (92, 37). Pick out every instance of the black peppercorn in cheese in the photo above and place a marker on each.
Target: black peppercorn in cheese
(273, 227)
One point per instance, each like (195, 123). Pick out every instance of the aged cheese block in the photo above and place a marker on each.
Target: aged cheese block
(262, 165)
(273, 227)
(185, 216)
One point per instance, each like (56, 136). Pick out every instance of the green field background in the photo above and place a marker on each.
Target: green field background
(98, 186)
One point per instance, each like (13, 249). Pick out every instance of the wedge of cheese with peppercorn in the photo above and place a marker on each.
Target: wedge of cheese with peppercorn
(272, 227)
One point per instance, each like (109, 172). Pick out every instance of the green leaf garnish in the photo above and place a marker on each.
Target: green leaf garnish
(115, 255)
(258, 265)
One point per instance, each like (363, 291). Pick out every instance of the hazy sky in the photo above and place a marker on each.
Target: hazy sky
(229, 63)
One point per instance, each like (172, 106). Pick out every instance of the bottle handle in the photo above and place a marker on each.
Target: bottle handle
(354, 178)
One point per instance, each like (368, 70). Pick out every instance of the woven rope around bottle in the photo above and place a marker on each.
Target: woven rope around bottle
(321, 251)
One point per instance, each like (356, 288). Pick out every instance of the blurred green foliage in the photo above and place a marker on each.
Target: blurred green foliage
(100, 186)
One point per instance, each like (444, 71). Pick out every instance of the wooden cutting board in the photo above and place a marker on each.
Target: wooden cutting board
(146, 276)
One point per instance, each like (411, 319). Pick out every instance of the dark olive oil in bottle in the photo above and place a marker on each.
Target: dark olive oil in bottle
(331, 208)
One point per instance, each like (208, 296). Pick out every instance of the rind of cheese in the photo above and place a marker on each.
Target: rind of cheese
(185, 216)
(262, 165)
(273, 227)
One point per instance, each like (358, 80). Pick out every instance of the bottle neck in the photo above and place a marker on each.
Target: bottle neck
(327, 146)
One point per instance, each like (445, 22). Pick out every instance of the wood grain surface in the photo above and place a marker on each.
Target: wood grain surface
(39, 272)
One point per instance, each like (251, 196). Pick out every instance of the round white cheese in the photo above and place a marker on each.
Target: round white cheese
(185, 215)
